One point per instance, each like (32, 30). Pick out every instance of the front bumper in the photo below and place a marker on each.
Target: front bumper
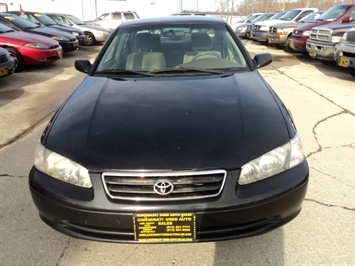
(260, 36)
(320, 50)
(344, 55)
(278, 39)
(246, 211)
(298, 44)
(69, 46)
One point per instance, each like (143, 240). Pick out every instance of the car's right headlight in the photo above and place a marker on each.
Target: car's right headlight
(273, 162)
(306, 33)
(60, 167)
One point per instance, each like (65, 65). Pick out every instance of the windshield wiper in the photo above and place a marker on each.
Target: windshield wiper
(186, 70)
(123, 72)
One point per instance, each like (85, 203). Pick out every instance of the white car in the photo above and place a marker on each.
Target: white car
(113, 19)
(93, 34)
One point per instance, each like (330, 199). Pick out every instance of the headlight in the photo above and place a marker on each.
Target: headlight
(60, 38)
(59, 167)
(36, 45)
(306, 33)
(273, 162)
(280, 32)
(75, 33)
(345, 36)
(336, 39)
(264, 28)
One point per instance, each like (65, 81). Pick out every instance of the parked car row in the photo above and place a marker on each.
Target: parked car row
(38, 38)
(321, 35)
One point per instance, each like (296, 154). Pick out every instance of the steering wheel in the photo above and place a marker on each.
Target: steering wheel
(206, 55)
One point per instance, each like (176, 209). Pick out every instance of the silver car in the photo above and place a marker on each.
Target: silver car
(93, 34)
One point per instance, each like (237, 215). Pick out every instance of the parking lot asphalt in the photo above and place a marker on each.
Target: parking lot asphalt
(321, 99)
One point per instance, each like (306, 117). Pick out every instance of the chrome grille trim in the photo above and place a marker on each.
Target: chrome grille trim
(321, 34)
(188, 185)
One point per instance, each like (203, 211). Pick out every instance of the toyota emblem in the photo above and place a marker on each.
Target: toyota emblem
(163, 187)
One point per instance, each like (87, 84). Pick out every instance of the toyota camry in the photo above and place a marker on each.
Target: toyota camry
(172, 136)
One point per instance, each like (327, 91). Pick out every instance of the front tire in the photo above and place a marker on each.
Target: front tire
(19, 63)
(90, 39)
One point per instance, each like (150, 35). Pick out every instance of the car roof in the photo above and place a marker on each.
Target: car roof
(174, 19)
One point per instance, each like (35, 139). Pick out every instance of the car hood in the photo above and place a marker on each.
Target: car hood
(91, 27)
(309, 25)
(168, 123)
(19, 37)
(46, 31)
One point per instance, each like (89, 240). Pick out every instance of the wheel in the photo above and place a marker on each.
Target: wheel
(90, 39)
(288, 47)
(19, 64)
(351, 71)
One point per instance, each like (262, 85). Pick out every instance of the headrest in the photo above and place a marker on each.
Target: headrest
(201, 41)
(144, 41)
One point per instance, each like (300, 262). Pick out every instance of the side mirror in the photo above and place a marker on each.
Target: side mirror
(262, 60)
(347, 19)
(82, 65)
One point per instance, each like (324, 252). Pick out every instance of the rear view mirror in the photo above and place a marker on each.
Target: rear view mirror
(82, 65)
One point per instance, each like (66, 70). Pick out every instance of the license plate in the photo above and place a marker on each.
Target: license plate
(312, 53)
(4, 71)
(164, 227)
(344, 62)
(60, 53)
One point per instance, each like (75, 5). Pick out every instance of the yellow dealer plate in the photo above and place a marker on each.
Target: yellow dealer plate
(3, 71)
(164, 227)
(344, 62)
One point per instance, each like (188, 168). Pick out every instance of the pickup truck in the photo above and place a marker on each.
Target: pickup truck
(261, 29)
(322, 41)
(280, 34)
(345, 51)
(343, 13)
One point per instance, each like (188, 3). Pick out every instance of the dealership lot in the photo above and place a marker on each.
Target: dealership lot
(322, 101)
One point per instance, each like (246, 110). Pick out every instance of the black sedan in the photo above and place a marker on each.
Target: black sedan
(68, 41)
(43, 20)
(173, 136)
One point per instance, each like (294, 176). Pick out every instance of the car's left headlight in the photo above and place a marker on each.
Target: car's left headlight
(36, 45)
(336, 39)
(75, 33)
(60, 167)
(273, 162)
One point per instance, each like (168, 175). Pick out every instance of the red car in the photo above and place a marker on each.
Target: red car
(29, 49)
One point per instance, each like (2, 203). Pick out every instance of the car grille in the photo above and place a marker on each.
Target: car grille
(250, 27)
(140, 186)
(273, 30)
(321, 34)
(350, 36)
(256, 28)
(3, 58)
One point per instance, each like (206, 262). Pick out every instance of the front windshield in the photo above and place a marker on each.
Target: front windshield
(75, 20)
(44, 19)
(277, 15)
(4, 28)
(310, 17)
(290, 15)
(333, 13)
(21, 22)
(172, 47)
